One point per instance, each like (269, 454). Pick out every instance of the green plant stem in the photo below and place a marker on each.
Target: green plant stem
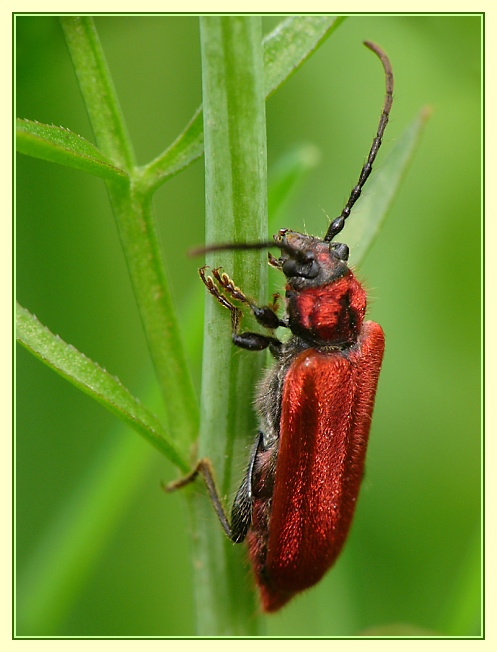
(236, 200)
(137, 231)
(133, 212)
(98, 91)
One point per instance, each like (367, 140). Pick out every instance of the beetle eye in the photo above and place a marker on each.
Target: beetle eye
(308, 269)
(341, 250)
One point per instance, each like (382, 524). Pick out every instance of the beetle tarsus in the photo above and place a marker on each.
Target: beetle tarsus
(265, 315)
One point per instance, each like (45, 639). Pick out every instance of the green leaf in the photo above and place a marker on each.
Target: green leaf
(285, 49)
(372, 208)
(291, 43)
(60, 145)
(94, 381)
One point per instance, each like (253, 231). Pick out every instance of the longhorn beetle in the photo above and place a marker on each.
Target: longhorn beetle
(297, 499)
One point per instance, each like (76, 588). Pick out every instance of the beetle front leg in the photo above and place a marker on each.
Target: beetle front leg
(265, 315)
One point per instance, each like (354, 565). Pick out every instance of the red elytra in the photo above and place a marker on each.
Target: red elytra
(298, 497)
(327, 403)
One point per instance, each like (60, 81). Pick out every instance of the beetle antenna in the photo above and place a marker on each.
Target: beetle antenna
(230, 246)
(337, 225)
(293, 251)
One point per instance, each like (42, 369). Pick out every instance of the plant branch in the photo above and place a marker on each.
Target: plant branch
(133, 212)
(98, 90)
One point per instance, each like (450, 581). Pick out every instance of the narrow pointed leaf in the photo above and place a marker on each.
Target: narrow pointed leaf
(60, 145)
(94, 381)
(291, 43)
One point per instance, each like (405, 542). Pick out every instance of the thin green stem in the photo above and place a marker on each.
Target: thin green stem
(98, 90)
(137, 231)
(236, 200)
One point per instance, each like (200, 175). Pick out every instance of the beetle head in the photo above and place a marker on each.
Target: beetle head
(310, 259)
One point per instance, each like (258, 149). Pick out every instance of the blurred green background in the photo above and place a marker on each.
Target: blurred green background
(413, 557)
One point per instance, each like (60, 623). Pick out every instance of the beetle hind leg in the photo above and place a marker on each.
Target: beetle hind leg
(204, 467)
(241, 512)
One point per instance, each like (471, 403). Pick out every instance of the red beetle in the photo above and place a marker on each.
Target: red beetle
(297, 499)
